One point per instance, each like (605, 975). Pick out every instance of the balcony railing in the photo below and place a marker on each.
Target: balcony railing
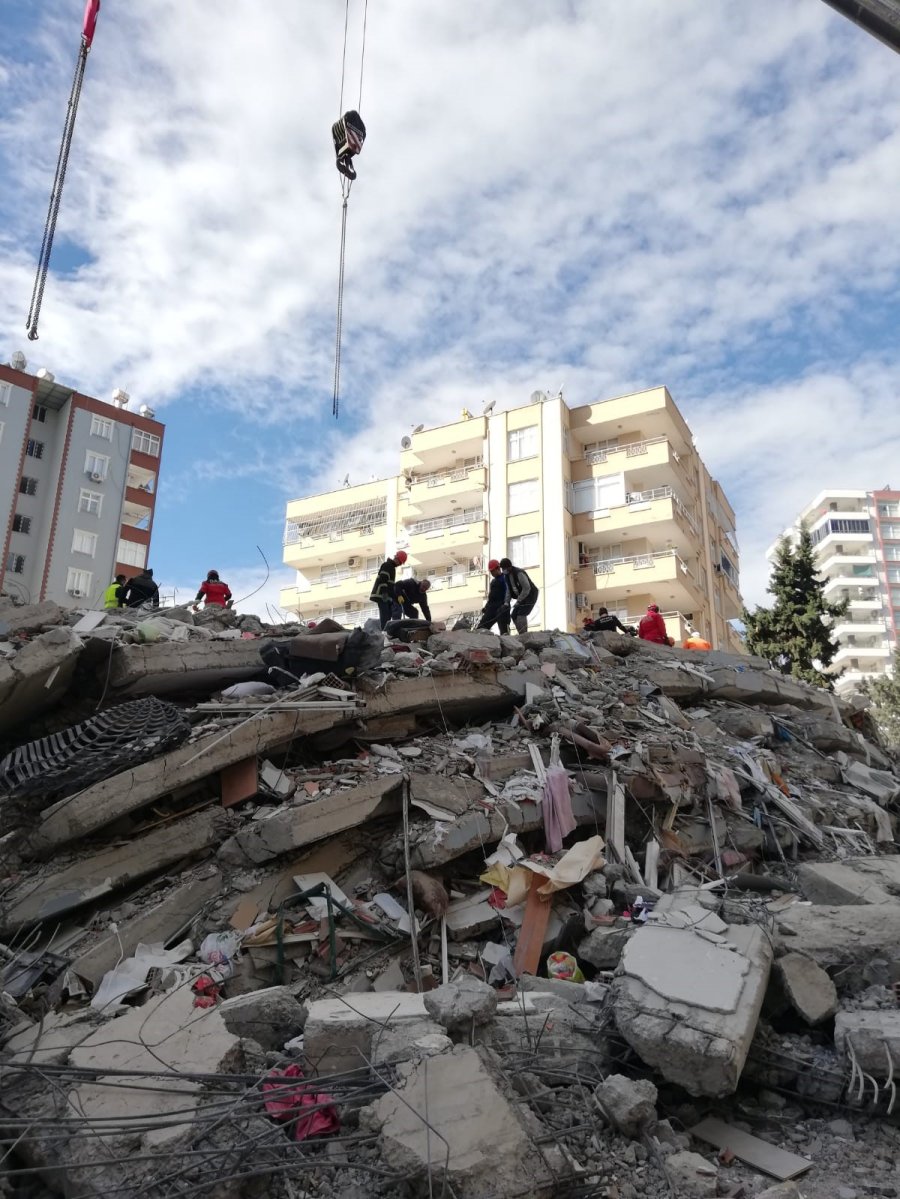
(444, 582)
(459, 519)
(439, 478)
(607, 566)
(334, 578)
(631, 449)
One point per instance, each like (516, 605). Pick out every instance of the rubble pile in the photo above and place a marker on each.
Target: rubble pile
(341, 913)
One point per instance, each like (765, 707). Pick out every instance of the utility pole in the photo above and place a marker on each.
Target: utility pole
(881, 18)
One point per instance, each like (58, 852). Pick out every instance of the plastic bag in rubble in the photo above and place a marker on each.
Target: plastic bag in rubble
(219, 950)
(564, 966)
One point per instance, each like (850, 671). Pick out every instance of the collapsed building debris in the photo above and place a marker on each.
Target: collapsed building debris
(390, 914)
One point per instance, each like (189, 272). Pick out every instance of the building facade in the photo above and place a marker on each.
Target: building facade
(608, 504)
(856, 535)
(78, 487)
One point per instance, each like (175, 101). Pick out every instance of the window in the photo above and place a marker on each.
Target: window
(34, 449)
(96, 465)
(889, 508)
(893, 574)
(27, 486)
(131, 553)
(522, 443)
(78, 582)
(895, 597)
(890, 532)
(598, 495)
(892, 552)
(101, 427)
(840, 526)
(84, 543)
(524, 551)
(39, 413)
(728, 568)
(145, 443)
(90, 501)
(15, 563)
(21, 524)
(523, 497)
(5, 393)
(1, 430)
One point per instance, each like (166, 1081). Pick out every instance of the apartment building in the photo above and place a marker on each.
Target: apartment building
(856, 535)
(606, 504)
(78, 487)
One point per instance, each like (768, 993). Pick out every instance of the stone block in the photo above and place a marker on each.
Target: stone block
(270, 1017)
(483, 1147)
(809, 989)
(688, 1002)
(461, 1004)
(603, 948)
(629, 1103)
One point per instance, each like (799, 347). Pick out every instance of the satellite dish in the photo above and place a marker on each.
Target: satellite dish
(418, 428)
(489, 408)
(18, 361)
(538, 397)
(405, 443)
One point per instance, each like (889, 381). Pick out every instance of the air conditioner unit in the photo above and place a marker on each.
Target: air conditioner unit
(838, 549)
(348, 605)
(96, 477)
(77, 593)
(353, 561)
(717, 568)
(581, 600)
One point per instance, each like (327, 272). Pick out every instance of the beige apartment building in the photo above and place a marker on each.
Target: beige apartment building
(607, 504)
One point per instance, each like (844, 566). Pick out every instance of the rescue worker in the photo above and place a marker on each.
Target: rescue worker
(114, 595)
(348, 135)
(496, 610)
(604, 623)
(141, 590)
(408, 593)
(216, 593)
(383, 587)
(523, 593)
(653, 627)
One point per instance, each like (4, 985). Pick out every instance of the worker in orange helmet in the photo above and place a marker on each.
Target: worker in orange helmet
(383, 587)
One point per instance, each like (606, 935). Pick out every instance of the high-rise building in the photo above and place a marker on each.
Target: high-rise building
(856, 535)
(605, 504)
(78, 487)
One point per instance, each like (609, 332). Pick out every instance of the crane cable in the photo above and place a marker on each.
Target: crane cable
(346, 185)
(40, 280)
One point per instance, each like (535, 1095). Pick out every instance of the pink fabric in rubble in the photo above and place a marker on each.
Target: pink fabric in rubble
(286, 1102)
(557, 805)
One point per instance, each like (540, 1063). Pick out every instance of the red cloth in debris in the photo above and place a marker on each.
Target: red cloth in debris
(557, 805)
(288, 1103)
(206, 991)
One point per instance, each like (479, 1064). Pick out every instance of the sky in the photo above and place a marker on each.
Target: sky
(587, 194)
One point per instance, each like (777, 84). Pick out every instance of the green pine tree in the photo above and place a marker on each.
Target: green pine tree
(884, 692)
(795, 632)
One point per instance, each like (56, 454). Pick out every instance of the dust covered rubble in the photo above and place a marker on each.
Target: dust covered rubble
(573, 895)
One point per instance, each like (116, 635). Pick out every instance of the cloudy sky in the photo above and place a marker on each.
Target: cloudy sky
(700, 193)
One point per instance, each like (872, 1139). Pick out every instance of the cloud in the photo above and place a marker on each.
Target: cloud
(697, 194)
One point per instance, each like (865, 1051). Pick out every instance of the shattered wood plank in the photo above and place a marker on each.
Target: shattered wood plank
(750, 1149)
(527, 958)
(100, 874)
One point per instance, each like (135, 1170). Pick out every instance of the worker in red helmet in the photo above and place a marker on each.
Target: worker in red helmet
(213, 592)
(383, 587)
(496, 610)
(653, 627)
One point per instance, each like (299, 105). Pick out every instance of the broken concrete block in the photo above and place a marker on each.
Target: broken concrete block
(484, 1147)
(99, 874)
(745, 723)
(603, 948)
(339, 1033)
(569, 991)
(38, 677)
(869, 1033)
(461, 1004)
(692, 1176)
(49, 1042)
(270, 1017)
(782, 1190)
(167, 667)
(31, 618)
(688, 1002)
(810, 990)
(157, 925)
(167, 1033)
(839, 936)
(409, 1043)
(629, 1103)
(462, 641)
(289, 829)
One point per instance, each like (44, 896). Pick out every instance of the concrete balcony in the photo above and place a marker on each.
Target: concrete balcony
(832, 564)
(661, 577)
(450, 593)
(291, 599)
(660, 507)
(441, 538)
(439, 449)
(862, 653)
(308, 553)
(837, 583)
(852, 628)
(431, 494)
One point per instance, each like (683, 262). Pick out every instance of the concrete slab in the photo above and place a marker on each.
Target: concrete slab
(168, 667)
(870, 1034)
(50, 1041)
(49, 896)
(472, 1139)
(166, 1034)
(38, 677)
(809, 989)
(339, 1033)
(689, 1006)
(852, 881)
(839, 936)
